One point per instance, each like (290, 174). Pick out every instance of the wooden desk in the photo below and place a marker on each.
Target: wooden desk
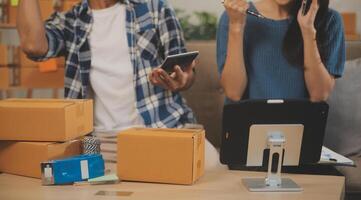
(217, 185)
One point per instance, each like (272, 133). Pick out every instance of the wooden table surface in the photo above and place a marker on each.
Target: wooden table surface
(217, 185)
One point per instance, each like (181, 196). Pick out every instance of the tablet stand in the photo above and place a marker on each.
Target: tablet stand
(273, 182)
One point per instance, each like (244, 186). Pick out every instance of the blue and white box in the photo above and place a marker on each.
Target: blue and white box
(73, 169)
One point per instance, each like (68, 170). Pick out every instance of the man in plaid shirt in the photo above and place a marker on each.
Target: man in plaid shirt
(113, 51)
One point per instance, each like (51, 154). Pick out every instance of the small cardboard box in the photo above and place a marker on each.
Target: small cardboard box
(72, 169)
(33, 78)
(4, 55)
(4, 78)
(45, 119)
(174, 156)
(24, 158)
(24, 61)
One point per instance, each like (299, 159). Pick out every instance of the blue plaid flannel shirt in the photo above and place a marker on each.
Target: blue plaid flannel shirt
(153, 32)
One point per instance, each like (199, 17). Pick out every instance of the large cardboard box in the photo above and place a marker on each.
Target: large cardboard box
(174, 156)
(4, 55)
(33, 78)
(24, 158)
(45, 119)
(4, 77)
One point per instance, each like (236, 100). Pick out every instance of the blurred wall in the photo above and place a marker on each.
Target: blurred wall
(216, 7)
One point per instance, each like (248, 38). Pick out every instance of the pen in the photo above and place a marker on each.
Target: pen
(252, 13)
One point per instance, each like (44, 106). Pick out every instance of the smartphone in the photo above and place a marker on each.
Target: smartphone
(183, 60)
(306, 4)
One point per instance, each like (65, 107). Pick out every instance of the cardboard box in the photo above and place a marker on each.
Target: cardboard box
(68, 4)
(45, 119)
(24, 61)
(352, 37)
(349, 21)
(174, 156)
(46, 10)
(33, 78)
(12, 14)
(4, 78)
(24, 158)
(72, 169)
(4, 54)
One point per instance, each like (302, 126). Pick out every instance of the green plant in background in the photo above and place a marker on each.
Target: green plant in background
(198, 26)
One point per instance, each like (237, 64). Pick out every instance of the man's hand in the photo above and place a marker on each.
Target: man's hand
(179, 80)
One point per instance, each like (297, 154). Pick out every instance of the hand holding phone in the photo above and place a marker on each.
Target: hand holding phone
(306, 4)
(183, 60)
(176, 79)
(306, 18)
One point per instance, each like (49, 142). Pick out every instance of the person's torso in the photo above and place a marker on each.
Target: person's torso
(111, 72)
(158, 107)
(270, 75)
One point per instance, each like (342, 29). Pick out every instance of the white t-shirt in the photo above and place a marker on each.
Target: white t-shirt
(111, 73)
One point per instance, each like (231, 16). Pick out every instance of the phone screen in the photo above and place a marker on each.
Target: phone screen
(183, 60)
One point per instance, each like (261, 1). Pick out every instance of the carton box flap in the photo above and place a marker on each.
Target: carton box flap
(37, 105)
(162, 132)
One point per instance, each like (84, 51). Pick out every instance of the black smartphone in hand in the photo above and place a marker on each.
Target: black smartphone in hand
(183, 60)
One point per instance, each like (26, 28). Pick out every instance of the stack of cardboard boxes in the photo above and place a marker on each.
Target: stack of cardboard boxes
(33, 131)
(31, 74)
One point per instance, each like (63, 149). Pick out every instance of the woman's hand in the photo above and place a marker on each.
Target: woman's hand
(179, 80)
(307, 22)
(236, 10)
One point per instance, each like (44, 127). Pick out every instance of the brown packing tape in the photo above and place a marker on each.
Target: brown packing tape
(80, 113)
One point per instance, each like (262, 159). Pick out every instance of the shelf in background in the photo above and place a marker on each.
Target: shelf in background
(7, 26)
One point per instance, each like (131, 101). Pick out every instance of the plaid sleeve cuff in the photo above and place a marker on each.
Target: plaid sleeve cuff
(51, 48)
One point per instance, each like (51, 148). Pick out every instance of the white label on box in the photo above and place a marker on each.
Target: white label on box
(84, 169)
(48, 172)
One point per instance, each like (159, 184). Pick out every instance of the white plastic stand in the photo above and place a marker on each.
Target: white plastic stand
(273, 182)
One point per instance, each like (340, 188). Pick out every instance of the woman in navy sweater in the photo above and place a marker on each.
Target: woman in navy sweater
(285, 55)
